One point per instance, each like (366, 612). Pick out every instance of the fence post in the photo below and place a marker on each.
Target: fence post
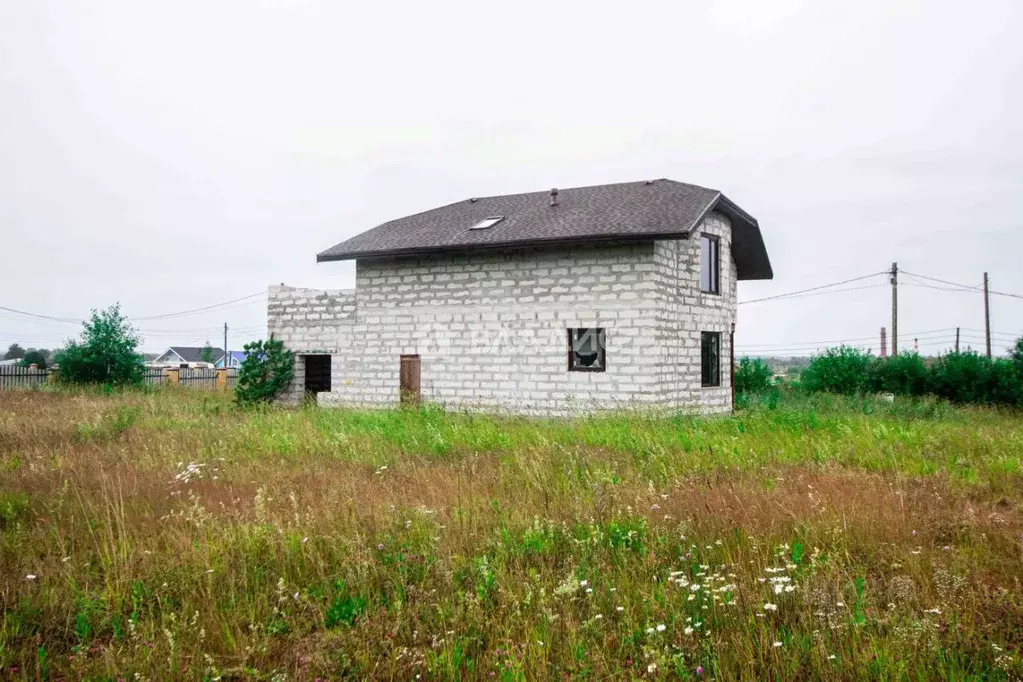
(173, 375)
(222, 379)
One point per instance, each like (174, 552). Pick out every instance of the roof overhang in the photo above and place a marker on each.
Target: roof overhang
(748, 249)
(502, 246)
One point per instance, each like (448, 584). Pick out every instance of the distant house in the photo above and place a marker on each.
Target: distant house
(234, 359)
(186, 356)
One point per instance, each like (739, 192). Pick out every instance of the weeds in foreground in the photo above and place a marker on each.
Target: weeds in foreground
(169, 535)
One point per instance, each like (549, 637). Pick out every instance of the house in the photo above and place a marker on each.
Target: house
(186, 356)
(235, 358)
(543, 303)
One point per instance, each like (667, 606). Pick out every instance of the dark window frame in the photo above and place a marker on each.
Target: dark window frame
(710, 347)
(601, 359)
(711, 264)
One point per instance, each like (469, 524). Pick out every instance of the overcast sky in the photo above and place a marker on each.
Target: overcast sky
(178, 154)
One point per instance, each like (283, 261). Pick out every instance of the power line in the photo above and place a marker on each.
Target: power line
(42, 317)
(975, 289)
(936, 288)
(224, 305)
(199, 310)
(949, 330)
(942, 281)
(818, 288)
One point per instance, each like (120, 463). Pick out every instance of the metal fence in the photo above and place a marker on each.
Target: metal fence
(13, 377)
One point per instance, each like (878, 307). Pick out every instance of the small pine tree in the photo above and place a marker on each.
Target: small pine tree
(105, 353)
(206, 355)
(267, 370)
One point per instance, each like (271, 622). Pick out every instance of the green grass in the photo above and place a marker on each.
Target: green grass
(173, 536)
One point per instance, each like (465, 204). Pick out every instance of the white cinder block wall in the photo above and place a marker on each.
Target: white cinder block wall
(490, 328)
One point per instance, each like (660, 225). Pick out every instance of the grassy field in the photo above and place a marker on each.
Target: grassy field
(168, 535)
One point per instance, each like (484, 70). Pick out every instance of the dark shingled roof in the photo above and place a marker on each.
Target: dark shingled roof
(194, 353)
(630, 211)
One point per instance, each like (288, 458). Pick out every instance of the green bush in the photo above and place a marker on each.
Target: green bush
(267, 370)
(904, 374)
(838, 370)
(105, 353)
(753, 375)
(34, 357)
(1016, 355)
(968, 377)
(957, 377)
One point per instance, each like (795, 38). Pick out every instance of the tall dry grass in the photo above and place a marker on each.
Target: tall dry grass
(167, 535)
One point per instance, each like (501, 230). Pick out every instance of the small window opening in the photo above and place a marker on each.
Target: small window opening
(487, 222)
(709, 264)
(710, 358)
(587, 350)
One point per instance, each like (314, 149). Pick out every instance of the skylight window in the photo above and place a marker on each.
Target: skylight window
(487, 222)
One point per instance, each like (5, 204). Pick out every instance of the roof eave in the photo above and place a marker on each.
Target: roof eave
(325, 257)
(752, 262)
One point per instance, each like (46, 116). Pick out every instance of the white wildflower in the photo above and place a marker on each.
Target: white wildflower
(770, 607)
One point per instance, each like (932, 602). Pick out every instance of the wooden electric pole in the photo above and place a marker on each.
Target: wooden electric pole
(957, 339)
(227, 358)
(884, 344)
(895, 309)
(987, 320)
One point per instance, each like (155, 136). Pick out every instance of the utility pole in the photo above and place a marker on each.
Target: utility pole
(227, 357)
(884, 343)
(957, 339)
(987, 319)
(895, 309)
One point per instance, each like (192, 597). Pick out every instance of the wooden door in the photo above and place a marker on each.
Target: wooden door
(409, 380)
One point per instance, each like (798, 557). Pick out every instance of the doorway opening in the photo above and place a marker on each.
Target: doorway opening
(408, 380)
(317, 374)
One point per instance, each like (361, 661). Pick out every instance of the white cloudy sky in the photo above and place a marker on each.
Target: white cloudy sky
(174, 155)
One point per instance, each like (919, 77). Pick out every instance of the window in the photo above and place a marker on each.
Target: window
(586, 352)
(487, 222)
(709, 264)
(710, 358)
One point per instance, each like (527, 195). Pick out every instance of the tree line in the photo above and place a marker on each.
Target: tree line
(41, 357)
(959, 377)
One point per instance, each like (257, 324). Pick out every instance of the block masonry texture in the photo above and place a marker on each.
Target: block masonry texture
(491, 328)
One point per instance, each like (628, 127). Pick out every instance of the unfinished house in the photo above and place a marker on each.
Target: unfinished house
(615, 296)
